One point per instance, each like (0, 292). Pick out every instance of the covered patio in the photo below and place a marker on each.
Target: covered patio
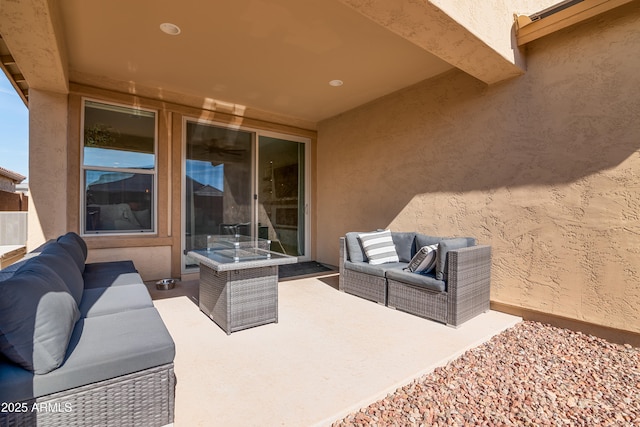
(464, 119)
(330, 354)
(510, 122)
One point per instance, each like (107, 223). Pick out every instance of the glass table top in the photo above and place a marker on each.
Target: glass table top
(230, 252)
(226, 255)
(218, 242)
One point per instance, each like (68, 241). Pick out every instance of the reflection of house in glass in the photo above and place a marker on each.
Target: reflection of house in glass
(118, 201)
(205, 207)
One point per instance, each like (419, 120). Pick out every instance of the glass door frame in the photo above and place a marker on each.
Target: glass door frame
(257, 133)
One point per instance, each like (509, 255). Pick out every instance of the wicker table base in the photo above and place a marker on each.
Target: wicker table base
(239, 299)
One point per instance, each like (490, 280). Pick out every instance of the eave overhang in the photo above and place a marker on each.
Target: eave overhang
(535, 26)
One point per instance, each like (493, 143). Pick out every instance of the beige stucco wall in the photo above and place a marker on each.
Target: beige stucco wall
(491, 20)
(47, 166)
(544, 168)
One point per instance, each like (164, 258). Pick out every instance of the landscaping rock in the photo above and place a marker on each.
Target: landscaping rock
(531, 374)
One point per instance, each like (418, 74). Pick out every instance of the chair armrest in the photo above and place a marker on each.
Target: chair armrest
(468, 282)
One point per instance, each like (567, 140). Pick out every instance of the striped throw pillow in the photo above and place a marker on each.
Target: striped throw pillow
(379, 247)
(424, 260)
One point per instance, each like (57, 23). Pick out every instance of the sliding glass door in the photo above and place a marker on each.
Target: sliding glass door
(281, 194)
(217, 184)
(244, 181)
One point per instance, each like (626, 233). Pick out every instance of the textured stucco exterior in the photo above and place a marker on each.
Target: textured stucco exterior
(491, 20)
(476, 37)
(47, 166)
(544, 168)
(39, 49)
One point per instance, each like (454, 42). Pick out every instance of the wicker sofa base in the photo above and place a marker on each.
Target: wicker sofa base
(373, 288)
(466, 295)
(419, 301)
(144, 398)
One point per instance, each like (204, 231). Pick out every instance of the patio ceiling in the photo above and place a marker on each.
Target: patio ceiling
(276, 56)
(273, 58)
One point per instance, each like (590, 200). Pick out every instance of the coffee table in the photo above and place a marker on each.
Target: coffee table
(239, 281)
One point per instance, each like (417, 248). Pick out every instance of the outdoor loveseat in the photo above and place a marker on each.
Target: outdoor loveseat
(443, 279)
(81, 344)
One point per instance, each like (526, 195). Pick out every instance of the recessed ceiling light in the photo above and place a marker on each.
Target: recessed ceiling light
(336, 83)
(169, 28)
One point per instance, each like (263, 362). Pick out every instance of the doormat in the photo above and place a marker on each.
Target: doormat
(301, 269)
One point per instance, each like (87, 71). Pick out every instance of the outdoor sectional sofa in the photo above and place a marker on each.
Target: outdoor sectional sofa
(81, 344)
(456, 290)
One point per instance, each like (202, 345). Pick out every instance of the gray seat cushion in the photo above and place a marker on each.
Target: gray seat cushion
(427, 281)
(375, 270)
(114, 299)
(108, 280)
(355, 252)
(101, 348)
(13, 267)
(17, 383)
(9, 271)
(57, 257)
(59, 260)
(5, 274)
(72, 237)
(75, 248)
(37, 317)
(113, 273)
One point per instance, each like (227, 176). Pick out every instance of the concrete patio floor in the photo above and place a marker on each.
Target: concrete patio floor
(330, 354)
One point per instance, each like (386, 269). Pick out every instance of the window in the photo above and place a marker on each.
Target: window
(118, 169)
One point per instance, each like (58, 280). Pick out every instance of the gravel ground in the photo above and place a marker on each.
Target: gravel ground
(531, 374)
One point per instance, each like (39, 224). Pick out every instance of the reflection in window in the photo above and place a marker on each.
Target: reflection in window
(119, 164)
(118, 201)
(118, 137)
(218, 172)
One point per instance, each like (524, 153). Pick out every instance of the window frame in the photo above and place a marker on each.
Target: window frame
(144, 171)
